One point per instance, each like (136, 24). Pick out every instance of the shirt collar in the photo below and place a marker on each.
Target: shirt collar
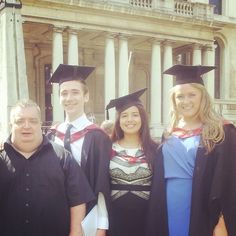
(44, 143)
(81, 122)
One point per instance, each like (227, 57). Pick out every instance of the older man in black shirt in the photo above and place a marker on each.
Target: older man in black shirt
(46, 189)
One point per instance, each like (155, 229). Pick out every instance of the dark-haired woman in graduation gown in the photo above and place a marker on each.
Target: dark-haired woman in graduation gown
(130, 171)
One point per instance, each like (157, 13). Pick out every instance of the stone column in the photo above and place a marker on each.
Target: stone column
(110, 74)
(13, 78)
(209, 60)
(123, 66)
(167, 81)
(57, 58)
(73, 47)
(156, 91)
(197, 54)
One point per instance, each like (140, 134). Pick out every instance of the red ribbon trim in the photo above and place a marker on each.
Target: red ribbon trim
(78, 135)
(183, 133)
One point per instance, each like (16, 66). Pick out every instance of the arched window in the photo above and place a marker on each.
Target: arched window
(218, 70)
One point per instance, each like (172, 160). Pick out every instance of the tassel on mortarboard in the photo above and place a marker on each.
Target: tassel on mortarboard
(107, 114)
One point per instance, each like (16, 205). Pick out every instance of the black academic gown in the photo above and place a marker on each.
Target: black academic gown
(213, 191)
(95, 159)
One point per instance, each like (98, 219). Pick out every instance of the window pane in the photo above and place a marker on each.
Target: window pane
(218, 6)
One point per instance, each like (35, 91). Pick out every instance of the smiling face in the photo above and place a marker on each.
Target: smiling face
(26, 133)
(187, 100)
(130, 120)
(73, 97)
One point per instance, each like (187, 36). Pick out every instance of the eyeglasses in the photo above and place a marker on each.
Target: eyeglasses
(27, 122)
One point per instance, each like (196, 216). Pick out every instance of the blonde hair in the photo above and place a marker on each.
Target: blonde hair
(212, 131)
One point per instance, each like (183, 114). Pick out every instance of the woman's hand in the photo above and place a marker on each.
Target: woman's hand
(220, 229)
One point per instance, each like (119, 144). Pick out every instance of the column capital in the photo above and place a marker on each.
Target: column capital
(123, 36)
(210, 47)
(168, 42)
(197, 46)
(111, 35)
(156, 41)
(58, 29)
(71, 30)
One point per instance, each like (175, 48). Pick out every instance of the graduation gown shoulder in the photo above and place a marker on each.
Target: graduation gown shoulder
(224, 180)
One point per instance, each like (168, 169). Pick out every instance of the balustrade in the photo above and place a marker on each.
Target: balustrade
(226, 108)
(184, 8)
(141, 3)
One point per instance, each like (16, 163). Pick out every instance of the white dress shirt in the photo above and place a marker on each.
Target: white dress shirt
(76, 148)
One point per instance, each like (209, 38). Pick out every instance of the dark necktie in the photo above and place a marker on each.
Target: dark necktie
(67, 138)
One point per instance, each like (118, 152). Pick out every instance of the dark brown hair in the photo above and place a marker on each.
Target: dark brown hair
(147, 143)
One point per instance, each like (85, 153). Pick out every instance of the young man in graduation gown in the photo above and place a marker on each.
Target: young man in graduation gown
(213, 185)
(45, 190)
(90, 146)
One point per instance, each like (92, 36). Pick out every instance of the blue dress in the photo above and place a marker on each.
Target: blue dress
(179, 161)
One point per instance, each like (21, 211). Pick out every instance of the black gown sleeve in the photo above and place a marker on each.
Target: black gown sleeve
(157, 224)
(229, 181)
(96, 154)
(222, 198)
(77, 186)
(78, 190)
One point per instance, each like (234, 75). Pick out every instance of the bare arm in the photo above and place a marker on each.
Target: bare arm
(101, 232)
(220, 229)
(77, 214)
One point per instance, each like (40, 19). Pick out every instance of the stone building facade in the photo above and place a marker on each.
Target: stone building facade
(130, 42)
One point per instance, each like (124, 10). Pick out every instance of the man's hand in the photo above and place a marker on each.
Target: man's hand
(77, 214)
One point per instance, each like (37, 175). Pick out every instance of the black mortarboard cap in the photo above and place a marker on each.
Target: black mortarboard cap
(70, 72)
(185, 74)
(126, 101)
